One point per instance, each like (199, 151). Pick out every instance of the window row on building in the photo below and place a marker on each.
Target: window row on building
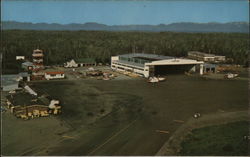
(125, 67)
(205, 57)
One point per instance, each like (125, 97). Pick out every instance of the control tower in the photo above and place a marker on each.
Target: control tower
(37, 56)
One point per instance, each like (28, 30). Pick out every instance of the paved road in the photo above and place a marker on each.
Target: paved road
(173, 144)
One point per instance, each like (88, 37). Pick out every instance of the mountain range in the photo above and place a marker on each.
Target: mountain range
(241, 27)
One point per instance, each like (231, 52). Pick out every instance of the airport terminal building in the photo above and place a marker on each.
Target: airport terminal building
(153, 65)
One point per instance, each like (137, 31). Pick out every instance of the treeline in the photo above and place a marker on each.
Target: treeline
(60, 46)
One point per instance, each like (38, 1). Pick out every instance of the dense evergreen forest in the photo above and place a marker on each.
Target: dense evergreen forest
(60, 46)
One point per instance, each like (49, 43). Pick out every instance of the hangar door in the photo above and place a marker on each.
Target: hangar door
(172, 69)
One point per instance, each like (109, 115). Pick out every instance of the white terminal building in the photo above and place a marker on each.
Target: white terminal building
(153, 65)
(201, 56)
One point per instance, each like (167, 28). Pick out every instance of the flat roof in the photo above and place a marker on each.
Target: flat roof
(9, 80)
(146, 56)
(131, 63)
(176, 61)
(202, 53)
(141, 59)
(23, 98)
(27, 63)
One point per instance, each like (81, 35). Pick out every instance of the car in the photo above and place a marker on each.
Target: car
(197, 115)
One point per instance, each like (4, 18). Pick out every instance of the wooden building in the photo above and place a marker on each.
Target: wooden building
(26, 106)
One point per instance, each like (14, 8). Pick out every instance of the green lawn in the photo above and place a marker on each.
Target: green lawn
(227, 139)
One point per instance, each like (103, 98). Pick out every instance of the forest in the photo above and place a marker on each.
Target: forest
(60, 46)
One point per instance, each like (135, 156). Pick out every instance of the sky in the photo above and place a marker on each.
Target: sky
(125, 12)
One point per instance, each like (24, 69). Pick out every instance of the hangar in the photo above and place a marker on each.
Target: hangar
(152, 65)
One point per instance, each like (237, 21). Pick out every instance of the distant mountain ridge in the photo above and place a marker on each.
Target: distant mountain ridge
(241, 27)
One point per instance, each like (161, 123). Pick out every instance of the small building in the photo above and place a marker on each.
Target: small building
(70, 64)
(20, 57)
(201, 56)
(9, 82)
(27, 66)
(80, 62)
(54, 75)
(209, 68)
(38, 75)
(220, 58)
(153, 65)
(24, 76)
(24, 105)
(85, 62)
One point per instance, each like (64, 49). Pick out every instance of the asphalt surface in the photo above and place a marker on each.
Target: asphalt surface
(143, 115)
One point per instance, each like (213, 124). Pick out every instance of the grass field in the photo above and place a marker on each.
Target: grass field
(227, 139)
(121, 117)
